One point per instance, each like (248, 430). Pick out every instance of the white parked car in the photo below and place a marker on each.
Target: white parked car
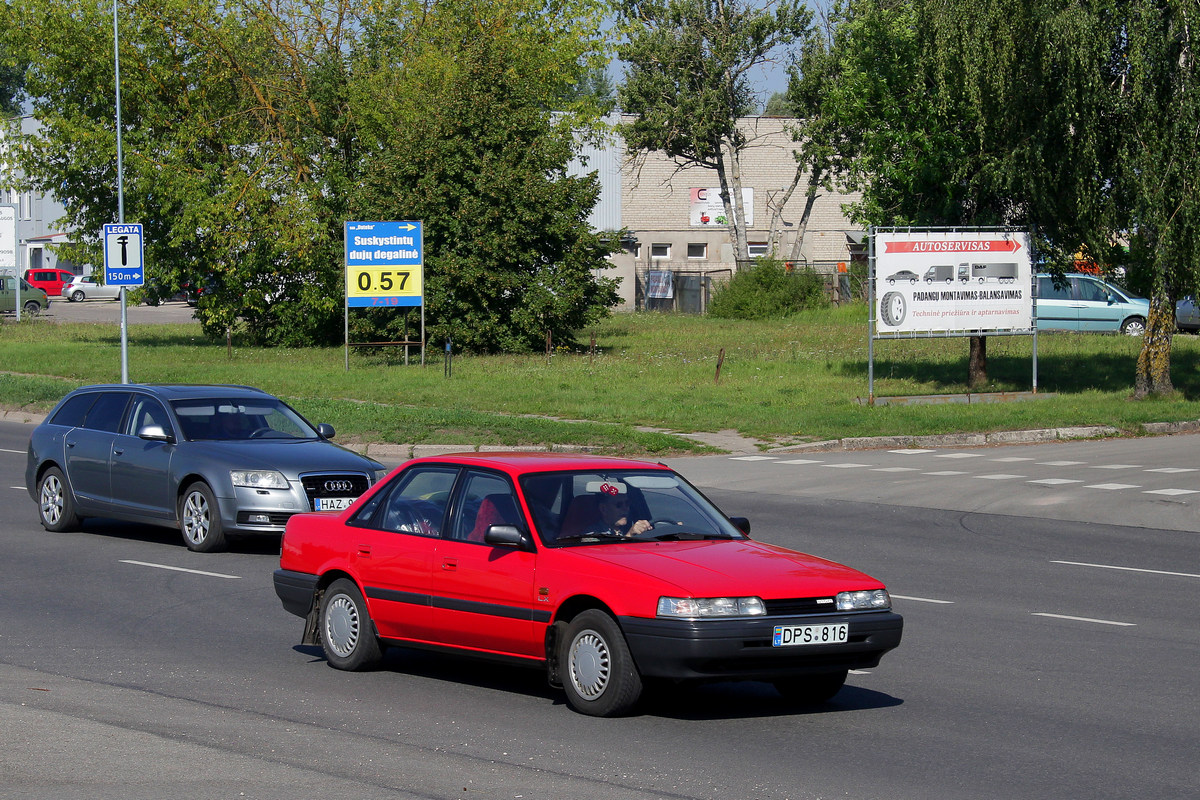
(85, 288)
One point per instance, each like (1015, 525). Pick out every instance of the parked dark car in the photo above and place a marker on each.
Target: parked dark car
(211, 461)
(33, 300)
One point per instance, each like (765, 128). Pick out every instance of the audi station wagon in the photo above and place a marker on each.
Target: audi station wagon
(212, 461)
(606, 573)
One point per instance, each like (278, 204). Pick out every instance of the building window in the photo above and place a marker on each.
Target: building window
(660, 250)
(757, 249)
(697, 250)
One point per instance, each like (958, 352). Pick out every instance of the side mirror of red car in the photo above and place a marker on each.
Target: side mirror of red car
(507, 536)
(741, 523)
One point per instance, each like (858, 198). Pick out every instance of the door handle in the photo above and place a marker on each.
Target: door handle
(118, 451)
(450, 564)
(364, 551)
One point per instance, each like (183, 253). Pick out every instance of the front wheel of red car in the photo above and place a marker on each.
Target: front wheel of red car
(347, 634)
(599, 676)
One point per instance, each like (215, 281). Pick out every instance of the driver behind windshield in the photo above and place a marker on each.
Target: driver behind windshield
(612, 504)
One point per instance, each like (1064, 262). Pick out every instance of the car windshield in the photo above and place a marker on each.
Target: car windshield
(223, 420)
(595, 508)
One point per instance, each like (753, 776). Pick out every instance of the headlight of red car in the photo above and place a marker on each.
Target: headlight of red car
(699, 607)
(872, 600)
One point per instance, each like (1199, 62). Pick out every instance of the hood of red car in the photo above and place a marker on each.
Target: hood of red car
(723, 568)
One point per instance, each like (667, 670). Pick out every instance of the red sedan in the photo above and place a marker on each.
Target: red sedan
(602, 571)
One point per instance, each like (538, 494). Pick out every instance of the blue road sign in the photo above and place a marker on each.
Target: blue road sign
(123, 255)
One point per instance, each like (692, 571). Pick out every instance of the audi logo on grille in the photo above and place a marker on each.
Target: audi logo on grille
(338, 486)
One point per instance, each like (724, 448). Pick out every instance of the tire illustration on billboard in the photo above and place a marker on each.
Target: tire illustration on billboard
(892, 308)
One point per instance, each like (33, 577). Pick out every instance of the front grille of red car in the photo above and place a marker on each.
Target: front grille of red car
(793, 606)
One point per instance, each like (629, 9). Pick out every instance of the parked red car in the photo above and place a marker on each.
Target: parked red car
(602, 571)
(50, 281)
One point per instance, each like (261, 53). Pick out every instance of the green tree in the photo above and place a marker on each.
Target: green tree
(688, 81)
(252, 130)
(458, 132)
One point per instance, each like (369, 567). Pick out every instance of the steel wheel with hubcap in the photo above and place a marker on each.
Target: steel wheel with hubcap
(55, 508)
(599, 676)
(200, 519)
(347, 633)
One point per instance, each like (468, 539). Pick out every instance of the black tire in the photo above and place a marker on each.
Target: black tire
(56, 509)
(200, 519)
(811, 690)
(1134, 326)
(893, 308)
(347, 633)
(78, 296)
(32, 308)
(598, 673)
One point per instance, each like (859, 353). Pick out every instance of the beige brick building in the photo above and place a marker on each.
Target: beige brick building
(675, 220)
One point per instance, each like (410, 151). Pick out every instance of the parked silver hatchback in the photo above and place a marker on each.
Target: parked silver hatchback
(213, 461)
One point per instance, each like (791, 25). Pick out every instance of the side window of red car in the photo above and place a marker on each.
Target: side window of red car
(415, 502)
(487, 499)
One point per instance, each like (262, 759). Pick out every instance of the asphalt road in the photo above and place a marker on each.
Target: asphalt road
(62, 310)
(1045, 655)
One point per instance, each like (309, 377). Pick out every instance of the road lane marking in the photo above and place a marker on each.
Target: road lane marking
(1055, 481)
(1059, 463)
(1172, 470)
(923, 600)
(1112, 487)
(180, 569)
(6, 450)
(753, 458)
(847, 466)
(1115, 466)
(895, 469)
(911, 451)
(1128, 569)
(1010, 459)
(998, 476)
(1086, 619)
(960, 455)
(945, 472)
(800, 461)
(1171, 491)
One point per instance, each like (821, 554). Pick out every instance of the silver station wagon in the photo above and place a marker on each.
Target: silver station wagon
(212, 461)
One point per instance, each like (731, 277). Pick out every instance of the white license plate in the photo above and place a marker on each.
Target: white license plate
(790, 635)
(332, 503)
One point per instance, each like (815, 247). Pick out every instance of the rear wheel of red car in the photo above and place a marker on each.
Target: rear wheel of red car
(811, 689)
(598, 673)
(200, 519)
(55, 508)
(347, 634)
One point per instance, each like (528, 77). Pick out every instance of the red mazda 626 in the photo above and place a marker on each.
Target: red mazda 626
(604, 571)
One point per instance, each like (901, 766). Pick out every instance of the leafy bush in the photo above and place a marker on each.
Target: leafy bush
(768, 290)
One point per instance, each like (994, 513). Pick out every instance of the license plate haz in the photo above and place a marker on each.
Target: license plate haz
(332, 503)
(789, 635)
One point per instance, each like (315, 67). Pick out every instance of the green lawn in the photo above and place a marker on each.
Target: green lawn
(800, 379)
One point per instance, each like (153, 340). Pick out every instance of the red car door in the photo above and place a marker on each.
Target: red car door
(393, 551)
(483, 596)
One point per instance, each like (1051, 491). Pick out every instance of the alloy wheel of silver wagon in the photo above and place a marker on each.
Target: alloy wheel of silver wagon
(200, 519)
(51, 500)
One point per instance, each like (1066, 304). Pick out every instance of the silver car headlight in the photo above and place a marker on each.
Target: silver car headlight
(869, 600)
(258, 479)
(702, 607)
